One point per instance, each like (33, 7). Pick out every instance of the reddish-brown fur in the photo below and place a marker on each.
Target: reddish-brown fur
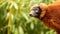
(51, 16)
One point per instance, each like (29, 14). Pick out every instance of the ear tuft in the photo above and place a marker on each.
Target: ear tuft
(43, 6)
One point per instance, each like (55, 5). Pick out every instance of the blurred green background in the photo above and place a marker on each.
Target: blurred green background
(15, 19)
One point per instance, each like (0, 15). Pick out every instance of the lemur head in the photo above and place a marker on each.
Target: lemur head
(35, 11)
(38, 11)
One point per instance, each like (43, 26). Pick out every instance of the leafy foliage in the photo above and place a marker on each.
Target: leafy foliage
(21, 22)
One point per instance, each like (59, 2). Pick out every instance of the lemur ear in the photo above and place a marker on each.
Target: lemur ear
(43, 6)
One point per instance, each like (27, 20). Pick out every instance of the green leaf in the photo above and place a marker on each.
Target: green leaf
(21, 30)
(32, 26)
(25, 16)
(14, 4)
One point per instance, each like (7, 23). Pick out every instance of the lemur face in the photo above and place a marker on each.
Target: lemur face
(35, 11)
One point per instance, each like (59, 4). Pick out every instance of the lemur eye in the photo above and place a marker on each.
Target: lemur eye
(36, 11)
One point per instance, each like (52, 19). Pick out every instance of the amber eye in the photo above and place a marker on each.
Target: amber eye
(36, 11)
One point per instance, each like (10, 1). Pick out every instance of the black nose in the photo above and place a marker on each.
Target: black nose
(30, 14)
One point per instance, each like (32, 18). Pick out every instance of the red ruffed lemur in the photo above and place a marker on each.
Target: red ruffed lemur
(48, 14)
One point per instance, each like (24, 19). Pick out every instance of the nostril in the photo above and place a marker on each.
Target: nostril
(30, 14)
